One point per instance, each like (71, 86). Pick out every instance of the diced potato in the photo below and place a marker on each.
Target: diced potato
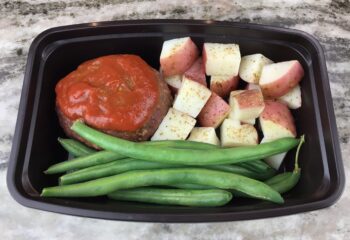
(174, 83)
(246, 105)
(175, 126)
(275, 161)
(221, 59)
(292, 98)
(234, 135)
(214, 112)
(204, 134)
(277, 79)
(191, 97)
(276, 121)
(177, 56)
(251, 66)
(196, 72)
(222, 85)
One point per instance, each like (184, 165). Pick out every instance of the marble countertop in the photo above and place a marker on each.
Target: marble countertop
(21, 21)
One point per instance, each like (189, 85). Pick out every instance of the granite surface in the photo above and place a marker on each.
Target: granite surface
(21, 21)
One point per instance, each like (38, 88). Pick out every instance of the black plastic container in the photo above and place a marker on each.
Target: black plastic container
(56, 52)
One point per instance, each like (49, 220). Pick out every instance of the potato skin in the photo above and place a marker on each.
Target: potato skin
(213, 112)
(196, 72)
(223, 87)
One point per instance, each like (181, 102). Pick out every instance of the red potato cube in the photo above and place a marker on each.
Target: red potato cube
(177, 56)
(292, 98)
(174, 83)
(204, 134)
(276, 121)
(277, 79)
(222, 85)
(174, 126)
(191, 97)
(214, 112)
(221, 59)
(196, 72)
(246, 105)
(251, 66)
(232, 134)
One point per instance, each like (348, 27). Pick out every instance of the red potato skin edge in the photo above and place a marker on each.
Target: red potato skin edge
(181, 61)
(283, 85)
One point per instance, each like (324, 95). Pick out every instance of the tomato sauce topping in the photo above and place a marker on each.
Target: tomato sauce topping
(115, 92)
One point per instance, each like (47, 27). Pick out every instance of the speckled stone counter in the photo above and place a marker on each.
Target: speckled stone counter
(21, 21)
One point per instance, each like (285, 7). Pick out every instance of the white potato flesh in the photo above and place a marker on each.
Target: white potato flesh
(249, 121)
(174, 81)
(176, 125)
(221, 59)
(292, 98)
(273, 130)
(251, 86)
(251, 67)
(191, 98)
(205, 135)
(274, 161)
(234, 135)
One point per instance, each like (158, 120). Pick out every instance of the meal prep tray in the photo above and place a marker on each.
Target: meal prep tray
(58, 51)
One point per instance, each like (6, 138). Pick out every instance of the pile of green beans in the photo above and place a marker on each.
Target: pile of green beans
(170, 172)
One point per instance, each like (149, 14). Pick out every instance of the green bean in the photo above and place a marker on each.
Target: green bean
(141, 178)
(79, 149)
(286, 181)
(178, 156)
(112, 168)
(116, 167)
(83, 162)
(190, 186)
(257, 166)
(191, 198)
(242, 171)
(75, 147)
